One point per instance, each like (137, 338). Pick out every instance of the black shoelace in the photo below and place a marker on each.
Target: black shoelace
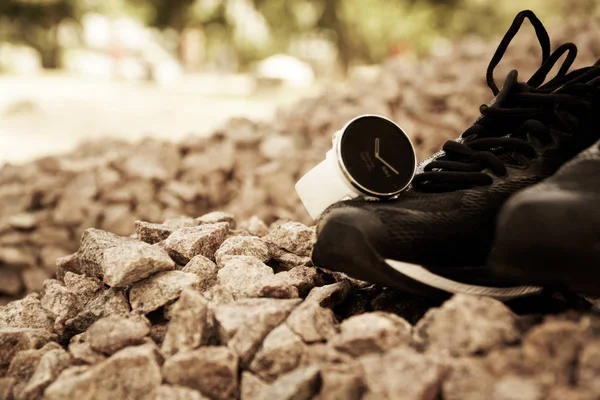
(523, 109)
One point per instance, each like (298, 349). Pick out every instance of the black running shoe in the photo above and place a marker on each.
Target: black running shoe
(435, 237)
(549, 234)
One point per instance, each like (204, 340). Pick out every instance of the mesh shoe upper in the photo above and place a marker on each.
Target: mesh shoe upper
(447, 217)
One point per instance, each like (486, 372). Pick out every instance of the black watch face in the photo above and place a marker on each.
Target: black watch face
(377, 155)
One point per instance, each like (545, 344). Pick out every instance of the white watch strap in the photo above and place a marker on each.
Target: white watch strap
(322, 186)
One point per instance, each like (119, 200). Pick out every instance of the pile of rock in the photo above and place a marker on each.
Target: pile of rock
(248, 168)
(208, 309)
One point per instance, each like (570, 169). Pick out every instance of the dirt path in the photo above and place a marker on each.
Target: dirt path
(53, 112)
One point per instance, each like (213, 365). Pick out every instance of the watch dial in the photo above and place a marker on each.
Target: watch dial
(377, 155)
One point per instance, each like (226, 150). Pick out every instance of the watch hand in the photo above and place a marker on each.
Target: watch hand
(376, 147)
(387, 164)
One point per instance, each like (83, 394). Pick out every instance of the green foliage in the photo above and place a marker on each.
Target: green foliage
(363, 31)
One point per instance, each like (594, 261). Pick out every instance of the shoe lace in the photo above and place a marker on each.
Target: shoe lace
(525, 110)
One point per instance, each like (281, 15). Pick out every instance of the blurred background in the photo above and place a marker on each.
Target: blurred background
(127, 69)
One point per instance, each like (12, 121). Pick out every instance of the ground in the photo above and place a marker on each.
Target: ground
(52, 112)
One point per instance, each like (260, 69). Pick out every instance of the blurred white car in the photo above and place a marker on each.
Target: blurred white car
(286, 70)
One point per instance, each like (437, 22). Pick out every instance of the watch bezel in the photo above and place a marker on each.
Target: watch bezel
(338, 153)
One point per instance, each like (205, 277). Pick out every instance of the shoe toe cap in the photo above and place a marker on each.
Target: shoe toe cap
(540, 214)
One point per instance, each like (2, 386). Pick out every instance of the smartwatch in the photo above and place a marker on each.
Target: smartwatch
(371, 157)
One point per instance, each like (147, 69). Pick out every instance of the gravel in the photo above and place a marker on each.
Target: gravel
(174, 334)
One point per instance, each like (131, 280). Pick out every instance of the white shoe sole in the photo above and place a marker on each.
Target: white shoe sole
(422, 275)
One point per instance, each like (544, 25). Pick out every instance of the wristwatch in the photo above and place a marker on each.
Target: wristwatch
(371, 157)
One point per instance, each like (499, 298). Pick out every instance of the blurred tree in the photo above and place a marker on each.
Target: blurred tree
(362, 31)
(35, 23)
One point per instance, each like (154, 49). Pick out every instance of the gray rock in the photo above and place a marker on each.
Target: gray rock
(47, 370)
(73, 371)
(217, 216)
(242, 246)
(467, 379)
(6, 388)
(277, 146)
(86, 287)
(186, 243)
(280, 353)
(250, 386)
(342, 382)
(129, 263)
(113, 333)
(48, 255)
(298, 281)
(24, 364)
(551, 349)
(571, 393)
(173, 392)
(61, 302)
(120, 261)
(91, 250)
(373, 332)
(218, 295)
(205, 269)
(283, 260)
(294, 237)
(211, 370)
(588, 368)
(130, 373)
(158, 333)
(518, 388)
(330, 295)
(301, 384)
(82, 352)
(152, 160)
(160, 289)
(220, 156)
(322, 354)
(465, 325)
(108, 302)
(242, 274)
(245, 323)
(33, 279)
(312, 322)
(274, 287)
(118, 219)
(188, 322)
(66, 264)
(506, 361)
(304, 278)
(11, 282)
(23, 221)
(255, 226)
(401, 373)
(13, 340)
(152, 233)
(26, 313)
(180, 222)
(16, 256)
(237, 233)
